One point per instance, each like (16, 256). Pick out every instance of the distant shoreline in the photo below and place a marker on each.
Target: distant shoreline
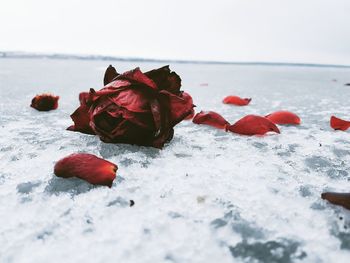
(28, 55)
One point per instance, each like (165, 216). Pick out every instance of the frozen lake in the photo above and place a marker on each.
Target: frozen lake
(208, 196)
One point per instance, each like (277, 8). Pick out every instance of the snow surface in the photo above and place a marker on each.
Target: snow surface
(208, 196)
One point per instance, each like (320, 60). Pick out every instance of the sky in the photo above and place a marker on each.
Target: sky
(294, 31)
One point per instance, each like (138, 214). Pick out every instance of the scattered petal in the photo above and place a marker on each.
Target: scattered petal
(339, 124)
(253, 125)
(87, 167)
(211, 118)
(284, 117)
(45, 102)
(235, 100)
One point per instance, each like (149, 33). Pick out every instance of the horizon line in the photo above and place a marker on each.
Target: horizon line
(24, 55)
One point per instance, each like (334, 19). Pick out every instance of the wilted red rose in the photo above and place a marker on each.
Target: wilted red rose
(45, 102)
(87, 167)
(134, 107)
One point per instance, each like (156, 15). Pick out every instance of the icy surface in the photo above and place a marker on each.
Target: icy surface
(209, 196)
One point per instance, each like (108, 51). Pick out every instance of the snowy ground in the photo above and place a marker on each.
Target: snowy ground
(209, 196)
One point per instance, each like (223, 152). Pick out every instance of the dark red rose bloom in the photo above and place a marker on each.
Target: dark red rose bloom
(87, 167)
(339, 124)
(342, 199)
(283, 117)
(134, 107)
(45, 102)
(211, 118)
(253, 125)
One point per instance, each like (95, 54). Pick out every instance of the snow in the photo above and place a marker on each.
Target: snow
(208, 196)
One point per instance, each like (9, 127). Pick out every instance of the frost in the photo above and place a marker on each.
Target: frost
(209, 196)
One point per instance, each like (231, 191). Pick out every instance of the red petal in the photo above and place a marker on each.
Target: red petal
(81, 119)
(45, 102)
(211, 118)
(284, 117)
(253, 125)
(110, 74)
(112, 86)
(137, 76)
(165, 79)
(342, 199)
(235, 100)
(87, 167)
(179, 106)
(339, 124)
(134, 100)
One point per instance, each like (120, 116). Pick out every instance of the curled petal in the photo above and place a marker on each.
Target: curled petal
(342, 199)
(45, 102)
(235, 100)
(339, 124)
(211, 118)
(253, 125)
(134, 100)
(87, 167)
(110, 74)
(189, 99)
(284, 117)
(114, 85)
(81, 119)
(136, 76)
(84, 98)
(179, 106)
(165, 79)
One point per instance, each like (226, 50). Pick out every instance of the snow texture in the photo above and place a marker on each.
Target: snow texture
(208, 196)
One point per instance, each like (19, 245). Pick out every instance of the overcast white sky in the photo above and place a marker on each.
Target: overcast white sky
(315, 31)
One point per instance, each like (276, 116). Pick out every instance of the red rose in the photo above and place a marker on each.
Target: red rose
(45, 102)
(134, 107)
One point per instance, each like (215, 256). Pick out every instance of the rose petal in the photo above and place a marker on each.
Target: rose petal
(138, 77)
(179, 106)
(134, 100)
(113, 86)
(283, 117)
(144, 120)
(339, 124)
(342, 199)
(235, 100)
(253, 125)
(45, 102)
(211, 118)
(165, 79)
(81, 119)
(87, 167)
(110, 74)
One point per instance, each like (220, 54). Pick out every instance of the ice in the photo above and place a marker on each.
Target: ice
(208, 196)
